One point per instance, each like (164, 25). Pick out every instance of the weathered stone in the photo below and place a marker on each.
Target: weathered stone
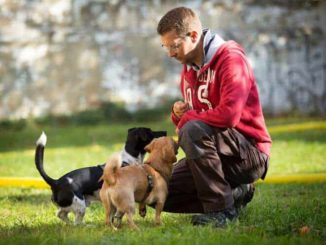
(64, 56)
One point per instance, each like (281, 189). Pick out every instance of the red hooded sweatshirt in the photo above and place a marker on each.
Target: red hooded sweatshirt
(223, 93)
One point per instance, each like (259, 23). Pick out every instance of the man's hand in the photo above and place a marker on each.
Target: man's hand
(179, 108)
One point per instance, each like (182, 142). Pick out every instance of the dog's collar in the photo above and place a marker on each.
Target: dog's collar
(164, 176)
(150, 182)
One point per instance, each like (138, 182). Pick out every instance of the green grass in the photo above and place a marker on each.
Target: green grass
(275, 215)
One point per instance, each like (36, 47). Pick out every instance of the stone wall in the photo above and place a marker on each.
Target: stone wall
(64, 56)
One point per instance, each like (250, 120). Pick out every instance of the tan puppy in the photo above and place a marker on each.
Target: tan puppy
(145, 184)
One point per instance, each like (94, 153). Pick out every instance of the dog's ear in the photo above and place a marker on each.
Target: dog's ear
(169, 151)
(146, 135)
(148, 148)
(158, 134)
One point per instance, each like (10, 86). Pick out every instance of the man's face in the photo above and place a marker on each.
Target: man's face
(178, 47)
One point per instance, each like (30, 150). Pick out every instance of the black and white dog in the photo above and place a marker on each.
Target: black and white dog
(74, 191)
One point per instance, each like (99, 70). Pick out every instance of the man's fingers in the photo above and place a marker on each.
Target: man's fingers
(181, 106)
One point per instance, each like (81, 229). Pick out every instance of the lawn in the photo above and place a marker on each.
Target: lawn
(282, 214)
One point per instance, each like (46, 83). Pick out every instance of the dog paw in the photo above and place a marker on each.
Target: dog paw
(117, 222)
(142, 212)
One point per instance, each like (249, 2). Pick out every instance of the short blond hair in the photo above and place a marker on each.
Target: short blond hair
(181, 20)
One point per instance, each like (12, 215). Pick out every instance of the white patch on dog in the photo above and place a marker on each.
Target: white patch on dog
(70, 180)
(78, 207)
(126, 157)
(42, 139)
(141, 157)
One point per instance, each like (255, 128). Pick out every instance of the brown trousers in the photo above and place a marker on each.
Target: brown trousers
(217, 160)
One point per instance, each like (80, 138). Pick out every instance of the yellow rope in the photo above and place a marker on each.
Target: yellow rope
(41, 184)
(299, 178)
(23, 182)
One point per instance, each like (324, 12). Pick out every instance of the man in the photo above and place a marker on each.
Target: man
(220, 123)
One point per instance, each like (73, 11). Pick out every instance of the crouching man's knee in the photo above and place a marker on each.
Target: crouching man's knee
(191, 138)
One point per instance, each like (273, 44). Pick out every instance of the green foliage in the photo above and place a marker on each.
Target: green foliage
(13, 124)
(114, 112)
(153, 114)
(106, 113)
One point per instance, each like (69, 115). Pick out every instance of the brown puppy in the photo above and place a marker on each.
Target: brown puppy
(145, 184)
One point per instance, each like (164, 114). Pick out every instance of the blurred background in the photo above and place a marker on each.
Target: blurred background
(102, 59)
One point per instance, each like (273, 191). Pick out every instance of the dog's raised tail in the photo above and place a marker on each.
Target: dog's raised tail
(111, 167)
(39, 153)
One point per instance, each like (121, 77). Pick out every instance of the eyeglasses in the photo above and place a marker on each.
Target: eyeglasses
(176, 46)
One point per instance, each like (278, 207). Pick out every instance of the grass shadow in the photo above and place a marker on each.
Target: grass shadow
(28, 198)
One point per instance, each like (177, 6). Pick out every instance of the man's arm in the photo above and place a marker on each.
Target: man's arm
(236, 83)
